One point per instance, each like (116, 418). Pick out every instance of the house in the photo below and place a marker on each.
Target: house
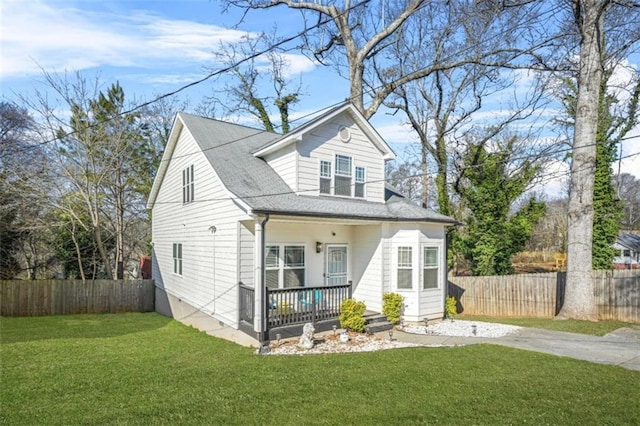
(629, 251)
(257, 230)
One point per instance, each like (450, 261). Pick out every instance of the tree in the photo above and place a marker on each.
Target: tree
(490, 182)
(628, 190)
(353, 36)
(589, 18)
(243, 93)
(23, 196)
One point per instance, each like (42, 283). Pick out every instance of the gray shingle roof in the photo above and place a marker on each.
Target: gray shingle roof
(630, 241)
(229, 148)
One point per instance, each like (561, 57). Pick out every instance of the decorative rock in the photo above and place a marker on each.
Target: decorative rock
(306, 340)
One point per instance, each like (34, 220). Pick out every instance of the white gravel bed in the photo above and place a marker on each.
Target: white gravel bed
(356, 343)
(461, 328)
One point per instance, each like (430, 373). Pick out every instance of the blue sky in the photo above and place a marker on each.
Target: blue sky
(153, 47)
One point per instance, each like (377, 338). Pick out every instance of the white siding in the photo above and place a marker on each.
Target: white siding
(207, 283)
(418, 303)
(284, 163)
(323, 143)
(367, 266)
(246, 242)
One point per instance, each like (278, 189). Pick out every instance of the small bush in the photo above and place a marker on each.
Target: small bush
(352, 315)
(450, 308)
(392, 304)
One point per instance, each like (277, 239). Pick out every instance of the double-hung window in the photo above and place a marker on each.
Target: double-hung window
(177, 258)
(187, 185)
(405, 268)
(285, 266)
(343, 175)
(325, 177)
(430, 272)
(359, 186)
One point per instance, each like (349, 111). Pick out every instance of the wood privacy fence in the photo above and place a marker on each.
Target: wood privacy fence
(61, 297)
(617, 294)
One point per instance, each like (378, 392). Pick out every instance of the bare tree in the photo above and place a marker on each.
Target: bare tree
(355, 35)
(244, 92)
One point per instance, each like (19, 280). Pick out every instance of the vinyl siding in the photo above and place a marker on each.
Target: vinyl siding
(367, 266)
(206, 282)
(246, 247)
(284, 162)
(323, 143)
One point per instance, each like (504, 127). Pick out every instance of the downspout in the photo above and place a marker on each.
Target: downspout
(264, 336)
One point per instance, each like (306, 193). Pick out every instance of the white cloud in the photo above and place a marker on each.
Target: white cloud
(57, 38)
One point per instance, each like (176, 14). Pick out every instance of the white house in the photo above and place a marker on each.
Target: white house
(259, 230)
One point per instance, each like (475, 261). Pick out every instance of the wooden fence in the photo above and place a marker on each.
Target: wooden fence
(616, 293)
(61, 297)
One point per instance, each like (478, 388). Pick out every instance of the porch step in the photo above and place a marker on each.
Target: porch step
(376, 322)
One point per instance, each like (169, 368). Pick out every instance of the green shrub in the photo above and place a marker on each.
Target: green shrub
(392, 304)
(450, 308)
(352, 315)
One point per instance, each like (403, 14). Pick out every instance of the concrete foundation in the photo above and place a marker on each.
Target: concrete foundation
(176, 308)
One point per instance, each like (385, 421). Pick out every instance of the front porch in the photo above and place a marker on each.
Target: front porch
(288, 309)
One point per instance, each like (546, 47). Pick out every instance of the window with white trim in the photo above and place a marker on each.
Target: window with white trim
(405, 268)
(358, 190)
(430, 268)
(342, 185)
(177, 258)
(325, 177)
(187, 185)
(285, 266)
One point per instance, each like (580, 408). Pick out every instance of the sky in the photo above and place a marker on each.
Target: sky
(157, 46)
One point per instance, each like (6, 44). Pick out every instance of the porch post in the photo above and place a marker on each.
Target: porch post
(260, 311)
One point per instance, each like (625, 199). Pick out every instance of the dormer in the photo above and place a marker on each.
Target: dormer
(338, 154)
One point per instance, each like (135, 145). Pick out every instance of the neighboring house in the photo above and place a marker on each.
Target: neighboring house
(629, 247)
(295, 223)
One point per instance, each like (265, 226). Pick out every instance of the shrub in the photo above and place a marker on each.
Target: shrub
(352, 315)
(392, 304)
(450, 308)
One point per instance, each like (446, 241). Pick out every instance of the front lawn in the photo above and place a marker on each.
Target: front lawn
(146, 369)
(599, 328)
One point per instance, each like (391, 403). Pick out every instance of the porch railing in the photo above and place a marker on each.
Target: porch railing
(296, 305)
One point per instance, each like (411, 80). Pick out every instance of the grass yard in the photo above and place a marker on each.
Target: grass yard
(146, 369)
(599, 328)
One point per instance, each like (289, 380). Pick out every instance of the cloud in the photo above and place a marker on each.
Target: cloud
(56, 38)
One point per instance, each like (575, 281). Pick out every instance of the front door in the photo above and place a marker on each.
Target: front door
(336, 271)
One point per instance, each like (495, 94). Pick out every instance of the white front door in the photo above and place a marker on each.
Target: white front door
(336, 271)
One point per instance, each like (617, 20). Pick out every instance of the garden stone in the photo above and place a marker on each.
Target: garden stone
(306, 340)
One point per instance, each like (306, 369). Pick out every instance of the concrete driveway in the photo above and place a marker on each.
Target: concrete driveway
(621, 347)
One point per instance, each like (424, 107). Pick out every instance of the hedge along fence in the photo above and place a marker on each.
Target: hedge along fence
(616, 293)
(61, 297)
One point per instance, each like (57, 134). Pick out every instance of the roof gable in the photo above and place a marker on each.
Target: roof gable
(344, 108)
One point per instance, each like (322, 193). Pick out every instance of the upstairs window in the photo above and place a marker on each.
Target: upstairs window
(187, 185)
(405, 268)
(343, 175)
(359, 186)
(325, 177)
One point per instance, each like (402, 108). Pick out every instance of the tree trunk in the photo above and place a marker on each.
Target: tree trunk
(579, 301)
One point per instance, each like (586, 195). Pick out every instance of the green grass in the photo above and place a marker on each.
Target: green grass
(145, 369)
(599, 328)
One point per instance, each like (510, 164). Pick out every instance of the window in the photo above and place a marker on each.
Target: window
(343, 176)
(177, 259)
(284, 266)
(405, 271)
(272, 266)
(359, 186)
(430, 272)
(187, 184)
(325, 177)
